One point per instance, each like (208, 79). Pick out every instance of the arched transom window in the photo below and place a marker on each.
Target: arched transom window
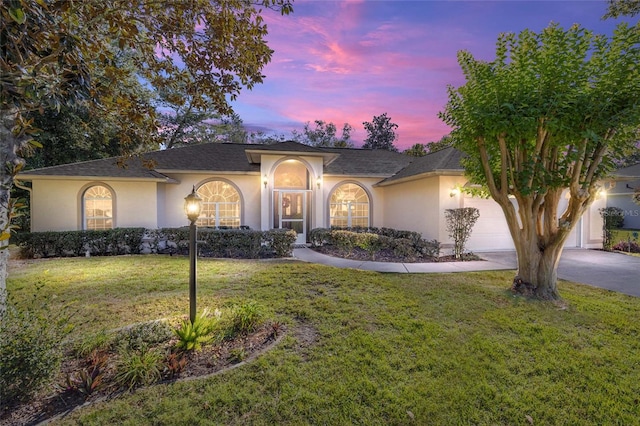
(97, 203)
(220, 205)
(349, 206)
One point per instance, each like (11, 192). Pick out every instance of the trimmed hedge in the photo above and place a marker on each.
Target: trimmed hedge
(229, 243)
(408, 244)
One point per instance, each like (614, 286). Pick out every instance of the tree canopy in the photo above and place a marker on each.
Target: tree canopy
(324, 134)
(554, 111)
(59, 52)
(381, 133)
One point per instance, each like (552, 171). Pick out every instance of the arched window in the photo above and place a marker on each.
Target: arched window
(220, 205)
(97, 203)
(349, 206)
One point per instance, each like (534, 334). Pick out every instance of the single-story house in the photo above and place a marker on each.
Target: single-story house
(283, 185)
(623, 187)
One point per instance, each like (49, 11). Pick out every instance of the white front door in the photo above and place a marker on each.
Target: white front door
(290, 212)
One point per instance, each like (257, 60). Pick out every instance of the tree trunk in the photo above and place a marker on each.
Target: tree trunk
(537, 274)
(10, 164)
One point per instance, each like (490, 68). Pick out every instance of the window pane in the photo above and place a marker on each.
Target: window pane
(291, 174)
(220, 204)
(98, 208)
(349, 206)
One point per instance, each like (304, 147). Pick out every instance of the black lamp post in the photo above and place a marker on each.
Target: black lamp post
(192, 207)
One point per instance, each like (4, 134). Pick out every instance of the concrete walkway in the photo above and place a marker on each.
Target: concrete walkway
(611, 271)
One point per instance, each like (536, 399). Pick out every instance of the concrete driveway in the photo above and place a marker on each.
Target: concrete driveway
(611, 271)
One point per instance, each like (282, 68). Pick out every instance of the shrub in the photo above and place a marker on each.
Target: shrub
(627, 246)
(191, 336)
(245, 318)
(612, 218)
(138, 368)
(140, 336)
(31, 340)
(459, 225)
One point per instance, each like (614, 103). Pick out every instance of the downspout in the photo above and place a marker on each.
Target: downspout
(19, 184)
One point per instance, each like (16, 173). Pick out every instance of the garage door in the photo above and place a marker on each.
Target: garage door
(491, 232)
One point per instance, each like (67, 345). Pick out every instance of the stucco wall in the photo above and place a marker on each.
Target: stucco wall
(419, 205)
(56, 204)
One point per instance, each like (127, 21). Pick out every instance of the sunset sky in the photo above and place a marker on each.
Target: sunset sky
(347, 61)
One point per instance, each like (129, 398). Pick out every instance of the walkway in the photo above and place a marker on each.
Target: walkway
(611, 271)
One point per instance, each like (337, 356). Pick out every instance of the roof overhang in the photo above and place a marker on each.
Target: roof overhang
(432, 173)
(29, 178)
(255, 155)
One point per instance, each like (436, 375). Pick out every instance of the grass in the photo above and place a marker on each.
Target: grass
(384, 348)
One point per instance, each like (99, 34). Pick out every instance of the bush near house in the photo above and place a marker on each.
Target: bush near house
(406, 244)
(227, 243)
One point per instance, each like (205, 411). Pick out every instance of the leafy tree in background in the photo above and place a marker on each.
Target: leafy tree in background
(324, 134)
(445, 142)
(59, 53)
(381, 133)
(552, 112)
(231, 129)
(619, 8)
(416, 150)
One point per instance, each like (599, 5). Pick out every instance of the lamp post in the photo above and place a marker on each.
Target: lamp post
(192, 207)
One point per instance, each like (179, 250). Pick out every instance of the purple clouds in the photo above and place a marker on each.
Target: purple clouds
(345, 62)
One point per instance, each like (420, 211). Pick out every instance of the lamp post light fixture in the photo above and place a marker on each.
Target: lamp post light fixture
(192, 207)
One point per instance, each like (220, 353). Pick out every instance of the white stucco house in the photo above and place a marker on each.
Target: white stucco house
(284, 185)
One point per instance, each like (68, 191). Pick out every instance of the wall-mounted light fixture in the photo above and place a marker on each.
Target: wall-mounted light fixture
(265, 180)
(454, 192)
(318, 181)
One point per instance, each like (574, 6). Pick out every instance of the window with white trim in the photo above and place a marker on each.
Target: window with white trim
(97, 204)
(220, 205)
(349, 206)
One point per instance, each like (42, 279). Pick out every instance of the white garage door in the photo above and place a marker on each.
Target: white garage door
(491, 231)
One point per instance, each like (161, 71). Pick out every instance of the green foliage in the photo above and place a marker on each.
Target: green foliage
(138, 368)
(143, 335)
(94, 342)
(380, 133)
(554, 110)
(460, 223)
(245, 317)
(77, 243)
(191, 336)
(31, 341)
(612, 218)
(408, 244)
(324, 134)
(617, 8)
(231, 243)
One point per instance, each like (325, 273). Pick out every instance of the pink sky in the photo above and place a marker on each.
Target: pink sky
(348, 61)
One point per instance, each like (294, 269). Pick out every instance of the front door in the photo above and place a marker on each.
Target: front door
(290, 212)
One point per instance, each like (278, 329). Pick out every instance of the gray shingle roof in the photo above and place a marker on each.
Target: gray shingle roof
(444, 161)
(229, 157)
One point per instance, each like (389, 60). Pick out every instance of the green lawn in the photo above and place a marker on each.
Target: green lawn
(440, 349)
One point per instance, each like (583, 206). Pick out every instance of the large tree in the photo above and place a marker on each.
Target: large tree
(324, 134)
(381, 133)
(50, 51)
(550, 114)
